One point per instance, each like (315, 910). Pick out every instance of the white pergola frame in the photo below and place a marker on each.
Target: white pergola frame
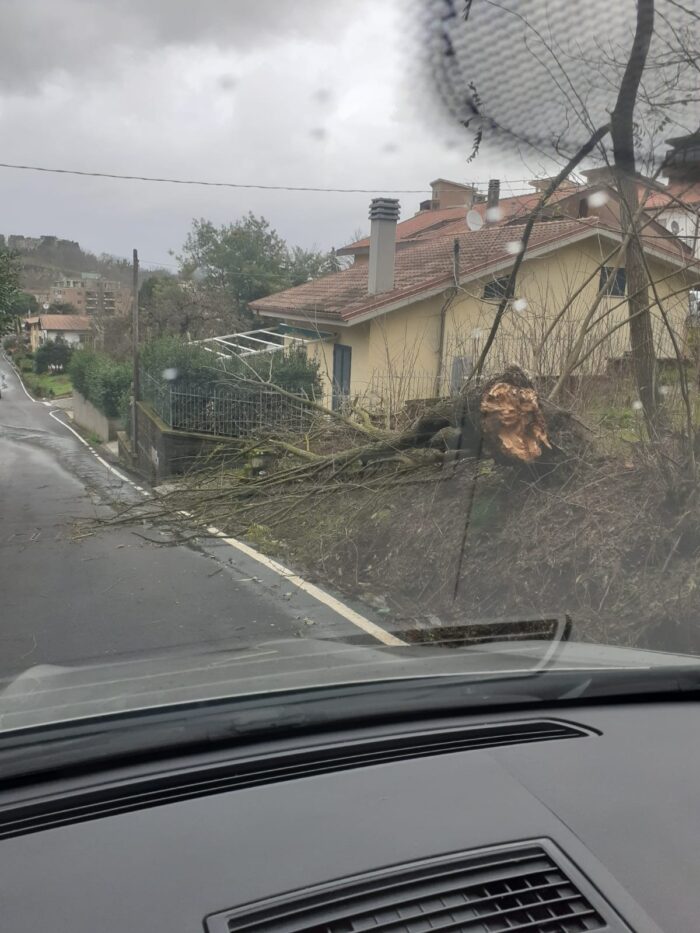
(254, 342)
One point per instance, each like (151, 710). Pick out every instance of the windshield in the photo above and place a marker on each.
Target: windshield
(345, 343)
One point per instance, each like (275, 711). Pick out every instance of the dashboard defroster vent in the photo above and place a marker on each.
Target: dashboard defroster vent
(287, 765)
(514, 888)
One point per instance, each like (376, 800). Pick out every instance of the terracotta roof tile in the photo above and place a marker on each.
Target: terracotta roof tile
(427, 224)
(343, 295)
(427, 264)
(424, 220)
(69, 322)
(688, 194)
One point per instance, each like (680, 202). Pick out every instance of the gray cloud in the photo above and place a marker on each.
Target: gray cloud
(286, 93)
(44, 38)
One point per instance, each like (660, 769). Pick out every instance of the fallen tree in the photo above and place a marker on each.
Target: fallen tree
(504, 419)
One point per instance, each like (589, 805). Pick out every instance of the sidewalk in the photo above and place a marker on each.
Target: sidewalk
(65, 403)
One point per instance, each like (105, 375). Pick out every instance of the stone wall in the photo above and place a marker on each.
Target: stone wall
(162, 452)
(91, 419)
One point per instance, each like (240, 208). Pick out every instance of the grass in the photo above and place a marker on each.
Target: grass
(48, 385)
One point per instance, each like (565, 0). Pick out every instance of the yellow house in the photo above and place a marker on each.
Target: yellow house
(411, 319)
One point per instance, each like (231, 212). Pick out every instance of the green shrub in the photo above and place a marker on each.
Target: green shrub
(189, 362)
(192, 364)
(101, 380)
(78, 368)
(52, 354)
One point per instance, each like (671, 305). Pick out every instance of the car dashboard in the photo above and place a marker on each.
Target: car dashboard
(581, 818)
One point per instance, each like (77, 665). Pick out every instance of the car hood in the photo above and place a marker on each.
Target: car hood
(47, 694)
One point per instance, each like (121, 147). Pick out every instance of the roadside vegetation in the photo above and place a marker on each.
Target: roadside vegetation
(175, 361)
(102, 380)
(44, 371)
(48, 385)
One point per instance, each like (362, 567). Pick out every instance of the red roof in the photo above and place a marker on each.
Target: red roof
(78, 323)
(428, 265)
(453, 219)
(424, 220)
(688, 194)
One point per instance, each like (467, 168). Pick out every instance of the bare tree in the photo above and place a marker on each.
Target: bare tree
(622, 133)
(608, 93)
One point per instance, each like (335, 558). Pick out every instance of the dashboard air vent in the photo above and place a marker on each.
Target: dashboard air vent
(509, 888)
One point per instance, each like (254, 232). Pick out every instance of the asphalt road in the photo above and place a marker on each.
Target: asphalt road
(73, 591)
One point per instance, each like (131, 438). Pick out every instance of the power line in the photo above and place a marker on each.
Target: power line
(230, 184)
(207, 184)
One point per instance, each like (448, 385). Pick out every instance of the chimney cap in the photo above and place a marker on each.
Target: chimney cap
(494, 194)
(384, 209)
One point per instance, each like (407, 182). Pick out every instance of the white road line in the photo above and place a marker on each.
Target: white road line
(24, 388)
(122, 477)
(360, 621)
(52, 414)
(371, 628)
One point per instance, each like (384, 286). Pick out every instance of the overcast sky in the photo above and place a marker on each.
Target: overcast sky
(323, 93)
(310, 92)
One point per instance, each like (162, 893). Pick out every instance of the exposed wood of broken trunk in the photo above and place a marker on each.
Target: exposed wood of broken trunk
(504, 419)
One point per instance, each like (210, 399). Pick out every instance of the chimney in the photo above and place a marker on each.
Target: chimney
(494, 194)
(383, 214)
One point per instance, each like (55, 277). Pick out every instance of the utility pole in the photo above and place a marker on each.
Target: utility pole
(135, 353)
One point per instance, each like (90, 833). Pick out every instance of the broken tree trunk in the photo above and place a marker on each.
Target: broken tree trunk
(504, 419)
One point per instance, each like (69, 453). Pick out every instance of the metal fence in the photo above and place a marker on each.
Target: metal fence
(226, 409)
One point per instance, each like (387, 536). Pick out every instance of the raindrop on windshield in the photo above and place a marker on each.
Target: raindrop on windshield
(227, 82)
(170, 373)
(597, 199)
(520, 304)
(514, 247)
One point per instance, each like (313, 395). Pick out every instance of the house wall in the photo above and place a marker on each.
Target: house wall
(395, 355)
(688, 225)
(548, 285)
(72, 294)
(72, 338)
(403, 353)
(34, 338)
(358, 339)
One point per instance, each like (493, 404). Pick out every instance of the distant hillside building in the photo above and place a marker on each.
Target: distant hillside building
(88, 293)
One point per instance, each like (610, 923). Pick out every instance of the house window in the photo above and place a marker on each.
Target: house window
(675, 227)
(496, 288)
(583, 207)
(612, 284)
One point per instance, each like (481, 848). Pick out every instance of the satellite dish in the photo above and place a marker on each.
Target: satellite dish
(46, 306)
(474, 220)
